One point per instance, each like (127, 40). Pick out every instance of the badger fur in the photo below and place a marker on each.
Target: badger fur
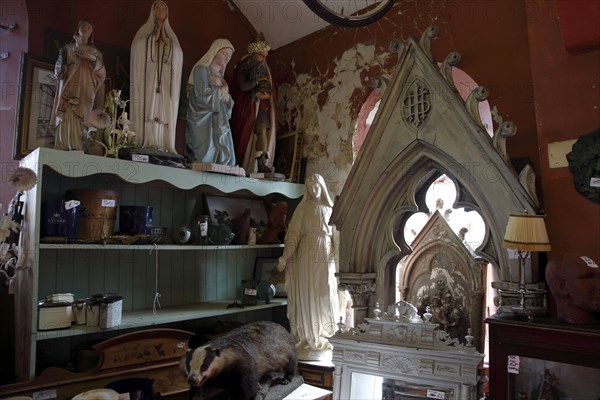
(243, 362)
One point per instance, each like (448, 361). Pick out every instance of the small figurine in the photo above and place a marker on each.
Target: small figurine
(277, 220)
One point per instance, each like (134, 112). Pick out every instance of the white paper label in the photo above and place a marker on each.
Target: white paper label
(435, 394)
(46, 394)
(72, 204)
(203, 228)
(250, 292)
(590, 263)
(513, 364)
(594, 182)
(140, 157)
(110, 203)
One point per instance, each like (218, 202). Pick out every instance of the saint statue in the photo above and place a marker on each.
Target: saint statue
(310, 263)
(254, 121)
(155, 74)
(208, 137)
(80, 72)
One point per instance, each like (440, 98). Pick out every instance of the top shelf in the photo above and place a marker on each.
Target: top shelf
(75, 164)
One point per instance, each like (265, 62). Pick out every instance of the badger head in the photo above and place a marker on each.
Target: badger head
(201, 365)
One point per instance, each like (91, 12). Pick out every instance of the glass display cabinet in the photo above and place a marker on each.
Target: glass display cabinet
(543, 359)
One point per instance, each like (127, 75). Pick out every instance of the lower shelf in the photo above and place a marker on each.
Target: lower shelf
(144, 318)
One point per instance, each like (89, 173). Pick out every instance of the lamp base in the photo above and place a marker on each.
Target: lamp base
(509, 297)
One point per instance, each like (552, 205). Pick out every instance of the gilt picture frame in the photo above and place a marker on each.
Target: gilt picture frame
(288, 155)
(265, 269)
(35, 99)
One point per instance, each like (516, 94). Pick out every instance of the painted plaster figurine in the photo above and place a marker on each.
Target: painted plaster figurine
(208, 137)
(310, 263)
(575, 284)
(80, 72)
(253, 121)
(155, 73)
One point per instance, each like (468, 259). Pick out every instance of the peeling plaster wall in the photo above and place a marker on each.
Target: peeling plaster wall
(328, 132)
(325, 78)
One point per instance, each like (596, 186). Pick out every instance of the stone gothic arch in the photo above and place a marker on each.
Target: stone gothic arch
(423, 129)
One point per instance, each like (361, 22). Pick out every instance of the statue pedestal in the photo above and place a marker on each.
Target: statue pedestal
(272, 176)
(150, 156)
(218, 168)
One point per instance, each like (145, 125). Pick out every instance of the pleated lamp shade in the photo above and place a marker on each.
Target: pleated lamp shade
(526, 232)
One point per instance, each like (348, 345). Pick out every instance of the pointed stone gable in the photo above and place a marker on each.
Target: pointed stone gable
(423, 129)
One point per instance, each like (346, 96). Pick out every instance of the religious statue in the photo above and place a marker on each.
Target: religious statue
(208, 137)
(254, 121)
(574, 281)
(310, 263)
(155, 74)
(80, 72)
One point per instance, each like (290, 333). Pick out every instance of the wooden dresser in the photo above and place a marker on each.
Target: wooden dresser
(316, 373)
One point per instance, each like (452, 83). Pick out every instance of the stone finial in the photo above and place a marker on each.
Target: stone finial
(478, 95)
(452, 60)
(432, 32)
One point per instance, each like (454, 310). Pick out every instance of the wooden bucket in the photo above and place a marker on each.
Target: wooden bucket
(98, 213)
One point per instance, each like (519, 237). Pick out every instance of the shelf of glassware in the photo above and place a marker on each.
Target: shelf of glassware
(148, 318)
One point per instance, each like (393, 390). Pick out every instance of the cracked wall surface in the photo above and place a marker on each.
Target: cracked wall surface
(325, 78)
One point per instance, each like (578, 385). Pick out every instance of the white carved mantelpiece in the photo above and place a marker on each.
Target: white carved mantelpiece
(418, 353)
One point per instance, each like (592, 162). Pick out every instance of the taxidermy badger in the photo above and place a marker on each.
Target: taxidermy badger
(243, 361)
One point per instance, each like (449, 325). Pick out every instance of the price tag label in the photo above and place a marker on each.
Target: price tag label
(589, 262)
(72, 204)
(45, 395)
(250, 292)
(145, 158)
(109, 203)
(513, 364)
(435, 394)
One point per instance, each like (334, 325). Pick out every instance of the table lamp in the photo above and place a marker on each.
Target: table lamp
(525, 233)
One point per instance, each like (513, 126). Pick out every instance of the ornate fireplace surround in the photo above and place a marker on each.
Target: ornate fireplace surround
(422, 130)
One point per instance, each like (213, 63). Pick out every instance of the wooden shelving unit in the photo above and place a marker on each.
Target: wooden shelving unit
(195, 282)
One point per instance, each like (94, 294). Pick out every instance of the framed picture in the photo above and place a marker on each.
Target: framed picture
(288, 155)
(229, 207)
(36, 96)
(265, 269)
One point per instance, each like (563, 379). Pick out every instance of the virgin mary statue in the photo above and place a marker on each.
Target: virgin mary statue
(155, 74)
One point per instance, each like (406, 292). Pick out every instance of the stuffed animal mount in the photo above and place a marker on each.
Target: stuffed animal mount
(218, 168)
(243, 363)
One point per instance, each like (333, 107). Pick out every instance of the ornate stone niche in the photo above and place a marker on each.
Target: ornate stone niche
(442, 273)
(423, 129)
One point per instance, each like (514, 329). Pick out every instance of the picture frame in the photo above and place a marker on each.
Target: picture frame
(265, 269)
(288, 156)
(35, 99)
(234, 206)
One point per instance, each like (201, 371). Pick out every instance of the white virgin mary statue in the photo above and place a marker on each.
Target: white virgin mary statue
(155, 75)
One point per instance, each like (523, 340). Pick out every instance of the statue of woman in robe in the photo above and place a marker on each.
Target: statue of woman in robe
(208, 137)
(310, 263)
(80, 72)
(155, 74)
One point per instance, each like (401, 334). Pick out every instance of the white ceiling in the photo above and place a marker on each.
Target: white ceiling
(281, 22)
